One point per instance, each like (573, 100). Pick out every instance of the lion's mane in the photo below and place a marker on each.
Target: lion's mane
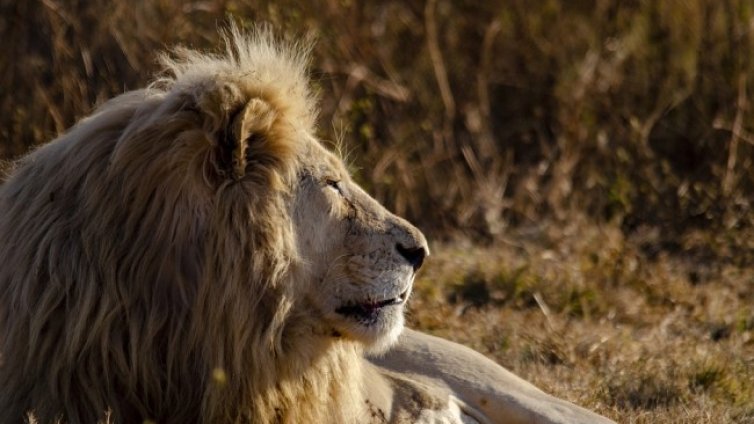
(143, 279)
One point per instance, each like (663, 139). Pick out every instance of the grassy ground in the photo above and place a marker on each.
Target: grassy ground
(600, 320)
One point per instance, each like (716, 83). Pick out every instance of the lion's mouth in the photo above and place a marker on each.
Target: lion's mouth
(370, 310)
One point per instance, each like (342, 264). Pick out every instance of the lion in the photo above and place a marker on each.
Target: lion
(191, 252)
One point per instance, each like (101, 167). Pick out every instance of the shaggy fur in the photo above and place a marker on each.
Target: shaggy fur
(147, 253)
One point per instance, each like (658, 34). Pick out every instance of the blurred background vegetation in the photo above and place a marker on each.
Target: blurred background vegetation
(473, 116)
(597, 156)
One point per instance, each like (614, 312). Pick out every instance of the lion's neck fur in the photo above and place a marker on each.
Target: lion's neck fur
(317, 381)
(320, 382)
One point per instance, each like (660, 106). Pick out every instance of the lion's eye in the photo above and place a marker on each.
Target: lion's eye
(335, 185)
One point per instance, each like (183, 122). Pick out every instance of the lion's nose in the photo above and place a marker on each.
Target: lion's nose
(414, 255)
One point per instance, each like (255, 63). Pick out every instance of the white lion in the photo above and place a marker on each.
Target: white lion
(191, 253)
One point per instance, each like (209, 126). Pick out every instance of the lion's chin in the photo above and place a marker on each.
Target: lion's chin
(377, 329)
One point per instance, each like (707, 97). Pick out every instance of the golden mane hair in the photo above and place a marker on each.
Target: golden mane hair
(147, 255)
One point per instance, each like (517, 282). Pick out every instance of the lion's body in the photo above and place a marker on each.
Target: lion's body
(190, 253)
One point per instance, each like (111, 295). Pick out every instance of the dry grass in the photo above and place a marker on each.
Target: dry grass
(637, 111)
(587, 315)
(600, 155)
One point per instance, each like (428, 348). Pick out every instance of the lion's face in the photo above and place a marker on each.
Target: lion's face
(360, 259)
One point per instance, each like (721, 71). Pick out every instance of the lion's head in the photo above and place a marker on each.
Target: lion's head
(190, 252)
(358, 259)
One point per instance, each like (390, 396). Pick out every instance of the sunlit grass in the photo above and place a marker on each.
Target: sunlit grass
(590, 318)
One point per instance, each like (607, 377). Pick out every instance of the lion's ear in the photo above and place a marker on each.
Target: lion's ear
(251, 125)
(238, 127)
